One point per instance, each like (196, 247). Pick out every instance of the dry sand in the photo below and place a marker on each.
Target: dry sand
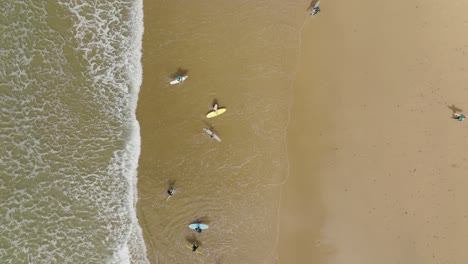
(377, 165)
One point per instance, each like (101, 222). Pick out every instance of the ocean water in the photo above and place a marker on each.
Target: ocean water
(70, 143)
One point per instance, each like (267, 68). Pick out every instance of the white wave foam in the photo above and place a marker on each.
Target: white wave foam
(135, 243)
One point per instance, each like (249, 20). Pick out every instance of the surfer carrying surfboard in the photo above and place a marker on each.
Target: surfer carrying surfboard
(194, 246)
(215, 111)
(179, 79)
(199, 227)
(459, 117)
(315, 9)
(171, 191)
(212, 135)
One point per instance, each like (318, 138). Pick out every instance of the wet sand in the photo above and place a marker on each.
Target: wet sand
(377, 165)
(242, 54)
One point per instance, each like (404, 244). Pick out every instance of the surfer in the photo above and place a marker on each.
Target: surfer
(198, 229)
(171, 191)
(215, 107)
(459, 117)
(194, 246)
(315, 10)
(212, 134)
(178, 79)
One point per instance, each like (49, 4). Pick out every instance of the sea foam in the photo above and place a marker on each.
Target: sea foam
(71, 74)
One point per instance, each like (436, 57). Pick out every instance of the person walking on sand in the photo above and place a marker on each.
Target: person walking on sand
(171, 191)
(459, 117)
(315, 10)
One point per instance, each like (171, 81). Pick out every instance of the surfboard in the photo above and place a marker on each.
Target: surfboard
(177, 81)
(201, 226)
(214, 113)
(213, 135)
(195, 251)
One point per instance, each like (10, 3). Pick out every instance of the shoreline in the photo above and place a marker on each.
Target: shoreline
(301, 212)
(232, 186)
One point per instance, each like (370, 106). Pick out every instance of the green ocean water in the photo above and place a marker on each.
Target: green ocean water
(69, 83)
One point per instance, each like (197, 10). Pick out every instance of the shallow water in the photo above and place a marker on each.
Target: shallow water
(242, 54)
(70, 141)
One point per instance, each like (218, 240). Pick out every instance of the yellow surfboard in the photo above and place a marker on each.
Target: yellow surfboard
(214, 113)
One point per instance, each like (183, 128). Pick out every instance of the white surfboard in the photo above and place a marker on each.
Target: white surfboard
(198, 225)
(177, 81)
(213, 135)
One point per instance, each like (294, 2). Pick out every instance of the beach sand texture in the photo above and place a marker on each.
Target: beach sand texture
(378, 167)
(376, 170)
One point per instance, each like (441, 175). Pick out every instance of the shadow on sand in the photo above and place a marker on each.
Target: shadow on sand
(171, 184)
(454, 109)
(203, 219)
(192, 239)
(179, 72)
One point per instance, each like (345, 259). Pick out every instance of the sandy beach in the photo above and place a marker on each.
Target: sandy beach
(377, 164)
(338, 145)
